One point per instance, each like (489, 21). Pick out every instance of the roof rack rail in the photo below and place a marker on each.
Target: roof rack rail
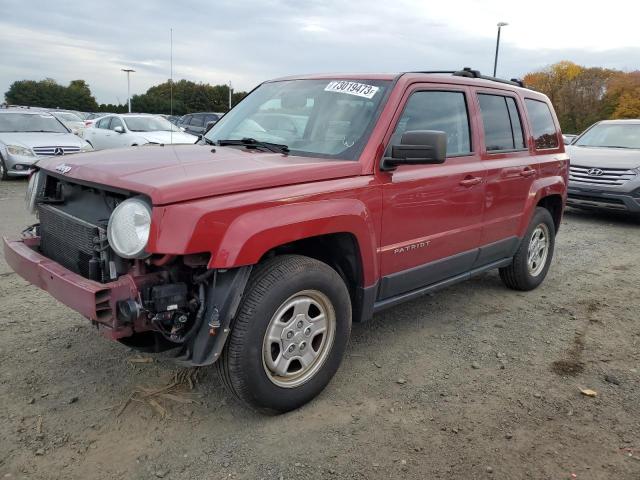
(470, 73)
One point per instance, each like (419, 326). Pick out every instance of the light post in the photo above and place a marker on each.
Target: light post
(230, 94)
(495, 61)
(128, 71)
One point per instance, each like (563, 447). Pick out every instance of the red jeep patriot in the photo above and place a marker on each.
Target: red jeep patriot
(315, 202)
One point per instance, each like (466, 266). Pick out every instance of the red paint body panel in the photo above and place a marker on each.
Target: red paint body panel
(177, 173)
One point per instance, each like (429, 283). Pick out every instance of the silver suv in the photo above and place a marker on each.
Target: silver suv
(605, 167)
(25, 136)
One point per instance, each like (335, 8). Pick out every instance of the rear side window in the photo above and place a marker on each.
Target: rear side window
(544, 130)
(437, 110)
(502, 124)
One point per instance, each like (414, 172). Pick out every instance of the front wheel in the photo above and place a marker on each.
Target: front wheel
(533, 258)
(4, 174)
(289, 335)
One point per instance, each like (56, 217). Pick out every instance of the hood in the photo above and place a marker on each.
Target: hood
(169, 174)
(167, 137)
(41, 139)
(598, 157)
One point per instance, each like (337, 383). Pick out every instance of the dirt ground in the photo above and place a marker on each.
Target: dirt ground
(473, 382)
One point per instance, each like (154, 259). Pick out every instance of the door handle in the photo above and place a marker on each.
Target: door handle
(470, 181)
(527, 172)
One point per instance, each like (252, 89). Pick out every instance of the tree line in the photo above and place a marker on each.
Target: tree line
(188, 97)
(582, 95)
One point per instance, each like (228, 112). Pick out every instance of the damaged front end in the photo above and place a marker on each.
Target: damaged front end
(148, 302)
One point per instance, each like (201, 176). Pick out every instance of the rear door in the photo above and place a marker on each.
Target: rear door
(100, 134)
(511, 171)
(432, 214)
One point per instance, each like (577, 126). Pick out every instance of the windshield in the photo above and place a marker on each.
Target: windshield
(326, 118)
(67, 117)
(149, 124)
(614, 135)
(29, 122)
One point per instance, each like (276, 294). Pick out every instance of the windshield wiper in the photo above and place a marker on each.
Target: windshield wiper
(253, 143)
(208, 142)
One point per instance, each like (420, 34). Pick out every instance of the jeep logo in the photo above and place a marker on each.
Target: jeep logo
(63, 168)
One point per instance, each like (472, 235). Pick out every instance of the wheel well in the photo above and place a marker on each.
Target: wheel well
(338, 250)
(553, 203)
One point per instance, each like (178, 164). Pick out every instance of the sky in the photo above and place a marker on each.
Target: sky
(249, 41)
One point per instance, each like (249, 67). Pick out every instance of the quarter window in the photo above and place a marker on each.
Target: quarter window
(437, 110)
(502, 124)
(544, 130)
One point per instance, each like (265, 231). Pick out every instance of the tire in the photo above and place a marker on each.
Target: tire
(276, 288)
(522, 274)
(4, 176)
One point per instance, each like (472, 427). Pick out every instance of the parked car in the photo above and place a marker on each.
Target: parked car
(118, 131)
(92, 117)
(70, 120)
(26, 136)
(198, 123)
(257, 251)
(568, 138)
(605, 167)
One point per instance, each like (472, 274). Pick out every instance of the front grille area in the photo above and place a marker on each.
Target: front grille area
(600, 176)
(55, 150)
(71, 242)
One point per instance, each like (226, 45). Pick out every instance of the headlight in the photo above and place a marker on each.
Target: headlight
(87, 148)
(32, 192)
(19, 150)
(128, 229)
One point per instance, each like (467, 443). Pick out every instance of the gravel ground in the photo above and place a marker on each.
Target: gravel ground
(473, 382)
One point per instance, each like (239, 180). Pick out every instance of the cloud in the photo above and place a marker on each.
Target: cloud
(248, 41)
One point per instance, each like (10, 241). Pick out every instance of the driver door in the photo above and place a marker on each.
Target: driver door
(432, 214)
(116, 139)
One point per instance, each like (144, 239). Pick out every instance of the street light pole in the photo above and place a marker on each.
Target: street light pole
(128, 71)
(495, 61)
(230, 94)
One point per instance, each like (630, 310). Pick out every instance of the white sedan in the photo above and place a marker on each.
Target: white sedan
(127, 130)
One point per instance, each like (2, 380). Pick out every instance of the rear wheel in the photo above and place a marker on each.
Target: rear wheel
(533, 258)
(289, 335)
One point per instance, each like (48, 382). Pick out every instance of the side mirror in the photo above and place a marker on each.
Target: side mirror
(182, 129)
(417, 147)
(119, 129)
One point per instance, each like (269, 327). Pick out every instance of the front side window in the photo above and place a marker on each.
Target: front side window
(197, 121)
(116, 122)
(544, 130)
(28, 122)
(321, 118)
(501, 121)
(611, 135)
(437, 110)
(103, 123)
(149, 124)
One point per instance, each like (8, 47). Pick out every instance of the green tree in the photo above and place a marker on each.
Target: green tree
(188, 97)
(48, 93)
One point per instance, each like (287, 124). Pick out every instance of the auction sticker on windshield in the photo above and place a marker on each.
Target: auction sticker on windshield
(352, 88)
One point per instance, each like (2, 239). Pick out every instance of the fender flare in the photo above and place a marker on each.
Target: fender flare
(541, 188)
(253, 234)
